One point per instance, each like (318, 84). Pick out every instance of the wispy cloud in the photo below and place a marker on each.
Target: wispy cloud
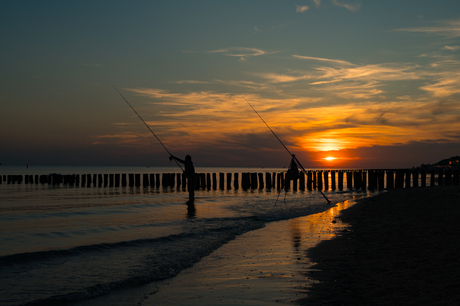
(450, 29)
(451, 48)
(364, 125)
(317, 2)
(246, 84)
(192, 82)
(335, 61)
(193, 120)
(442, 76)
(353, 90)
(241, 52)
(348, 6)
(444, 85)
(301, 9)
(378, 72)
(239, 83)
(348, 80)
(208, 116)
(348, 106)
(282, 78)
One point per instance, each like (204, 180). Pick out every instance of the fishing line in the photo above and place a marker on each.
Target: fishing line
(285, 192)
(292, 155)
(147, 126)
(267, 126)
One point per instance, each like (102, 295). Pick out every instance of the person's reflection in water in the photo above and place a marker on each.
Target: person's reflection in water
(191, 211)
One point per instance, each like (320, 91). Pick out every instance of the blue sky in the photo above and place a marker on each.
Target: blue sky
(371, 83)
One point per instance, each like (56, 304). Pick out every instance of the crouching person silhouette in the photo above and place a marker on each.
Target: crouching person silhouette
(189, 174)
(292, 174)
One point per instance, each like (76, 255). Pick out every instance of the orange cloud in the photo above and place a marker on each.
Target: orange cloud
(301, 9)
(196, 119)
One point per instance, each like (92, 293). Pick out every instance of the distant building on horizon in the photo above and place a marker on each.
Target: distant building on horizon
(451, 163)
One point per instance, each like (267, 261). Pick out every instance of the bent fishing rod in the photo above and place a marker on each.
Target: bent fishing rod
(292, 155)
(147, 127)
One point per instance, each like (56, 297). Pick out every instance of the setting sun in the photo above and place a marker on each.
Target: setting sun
(330, 158)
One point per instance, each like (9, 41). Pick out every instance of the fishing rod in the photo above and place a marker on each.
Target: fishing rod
(292, 155)
(148, 127)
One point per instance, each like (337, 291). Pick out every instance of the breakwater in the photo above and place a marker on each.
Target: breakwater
(313, 180)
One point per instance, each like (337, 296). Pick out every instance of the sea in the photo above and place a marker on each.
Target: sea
(63, 244)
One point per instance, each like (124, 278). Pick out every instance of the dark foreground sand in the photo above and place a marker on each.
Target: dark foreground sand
(403, 248)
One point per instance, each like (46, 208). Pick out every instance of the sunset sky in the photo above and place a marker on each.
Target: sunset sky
(343, 83)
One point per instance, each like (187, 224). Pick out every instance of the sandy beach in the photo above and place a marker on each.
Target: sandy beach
(402, 249)
(262, 267)
(397, 248)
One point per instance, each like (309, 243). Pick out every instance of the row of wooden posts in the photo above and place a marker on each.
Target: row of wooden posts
(322, 180)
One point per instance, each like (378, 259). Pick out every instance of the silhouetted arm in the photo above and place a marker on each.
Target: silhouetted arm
(177, 158)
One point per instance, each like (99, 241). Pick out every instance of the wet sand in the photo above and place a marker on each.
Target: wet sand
(403, 248)
(397, 248)
(263, 267)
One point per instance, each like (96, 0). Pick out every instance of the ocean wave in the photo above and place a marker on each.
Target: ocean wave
(98, 269)
(56, 277)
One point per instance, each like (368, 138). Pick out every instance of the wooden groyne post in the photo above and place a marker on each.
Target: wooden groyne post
(314, 179)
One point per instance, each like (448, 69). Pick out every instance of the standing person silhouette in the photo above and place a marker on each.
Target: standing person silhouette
(189, 173)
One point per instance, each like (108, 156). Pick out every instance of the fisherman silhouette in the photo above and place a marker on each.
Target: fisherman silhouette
(291, 174)
(189, 173)
(293, 170)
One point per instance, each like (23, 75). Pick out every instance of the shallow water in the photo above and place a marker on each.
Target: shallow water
(61, 243)
(266, 266)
